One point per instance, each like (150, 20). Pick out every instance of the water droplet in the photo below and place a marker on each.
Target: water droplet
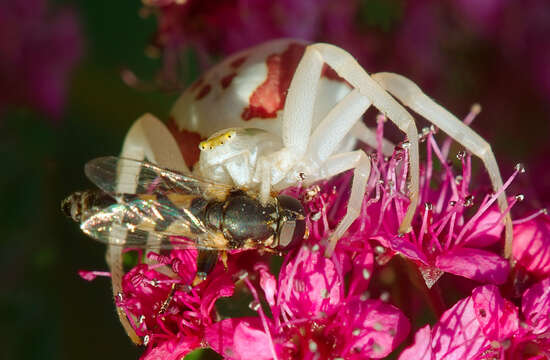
(356, 332)
(366, 274)
(254, 305)
(428, 206)
(452, 203)
(324, 293)
(186, 288)
(458, 179)
(379, 249)
(385, 296)
(141, 319)
(365, 296)
(312, 346)
(469, 201)
(315, 247)
(316, 216)
(146, 340)
(519, 167)
(242, 274)
(406, 145)
(381, 182)
(544, 211)
(520, 197)
(460, 155)
(201, 275)
(377, 326)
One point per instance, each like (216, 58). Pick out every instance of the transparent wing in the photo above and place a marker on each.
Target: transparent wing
(138, 222)
(111, 173)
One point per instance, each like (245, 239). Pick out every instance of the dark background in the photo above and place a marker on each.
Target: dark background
(47, 311)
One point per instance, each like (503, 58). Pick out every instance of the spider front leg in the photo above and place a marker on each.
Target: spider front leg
(411, 96)
(148, 138)
(347, 67)
(360, 163)
(296, 127)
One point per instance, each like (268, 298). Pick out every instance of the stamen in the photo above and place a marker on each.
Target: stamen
(530, 217)
(262, 317)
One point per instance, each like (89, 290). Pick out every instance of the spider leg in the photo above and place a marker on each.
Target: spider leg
(148, 138)
(336, 164)
(347, 67)
(411, 96)
(296, 124)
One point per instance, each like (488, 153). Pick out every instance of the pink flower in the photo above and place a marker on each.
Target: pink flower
(38, 49)
(532, 245)
(485, 325)
(314, 316)
(445, 236)
(168, 312)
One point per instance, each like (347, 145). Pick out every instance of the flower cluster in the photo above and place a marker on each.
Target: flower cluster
(360, 303)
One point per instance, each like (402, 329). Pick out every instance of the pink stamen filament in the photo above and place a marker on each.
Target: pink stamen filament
(262, 317)
(530, 217)
(484, 208)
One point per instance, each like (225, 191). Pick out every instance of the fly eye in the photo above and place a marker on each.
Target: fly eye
(292, 224)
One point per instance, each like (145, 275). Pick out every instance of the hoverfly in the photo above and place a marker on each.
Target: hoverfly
(171, 210)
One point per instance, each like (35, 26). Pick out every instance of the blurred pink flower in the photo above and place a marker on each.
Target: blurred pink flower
(38, 49)
(485, 325)
(532, 245)
(313, 315)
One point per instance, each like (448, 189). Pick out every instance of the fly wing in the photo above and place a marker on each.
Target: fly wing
(147, 223)
(161, 207)
(115, 175)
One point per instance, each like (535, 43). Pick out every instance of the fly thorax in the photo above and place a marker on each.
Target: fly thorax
(245, 218)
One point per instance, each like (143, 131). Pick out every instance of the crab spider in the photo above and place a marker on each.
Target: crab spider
(308, 138)
(273, 116)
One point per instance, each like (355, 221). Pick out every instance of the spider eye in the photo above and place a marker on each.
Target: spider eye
(292, 223)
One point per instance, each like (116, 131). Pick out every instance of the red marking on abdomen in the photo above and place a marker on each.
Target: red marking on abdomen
(226, 80)
(238, 62)
(269, 97)
(188, 142)
(196, 84)
(203, 92)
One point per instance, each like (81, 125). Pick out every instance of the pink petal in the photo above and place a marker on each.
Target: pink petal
(458, 334)
(220, 286)
(251, 342)
(422, 347)
(531, 246)
(403, 245)
(310, 284)
(497, 317)
(475, 264)
(535, 305)
(173, 350)
(268, 284)
(371, 326)
(490, 227)
(363, 266)
(240, 338)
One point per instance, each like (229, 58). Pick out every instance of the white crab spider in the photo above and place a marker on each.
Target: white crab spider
(306, 138)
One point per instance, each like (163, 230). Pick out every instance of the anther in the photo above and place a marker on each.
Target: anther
(519, 167)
